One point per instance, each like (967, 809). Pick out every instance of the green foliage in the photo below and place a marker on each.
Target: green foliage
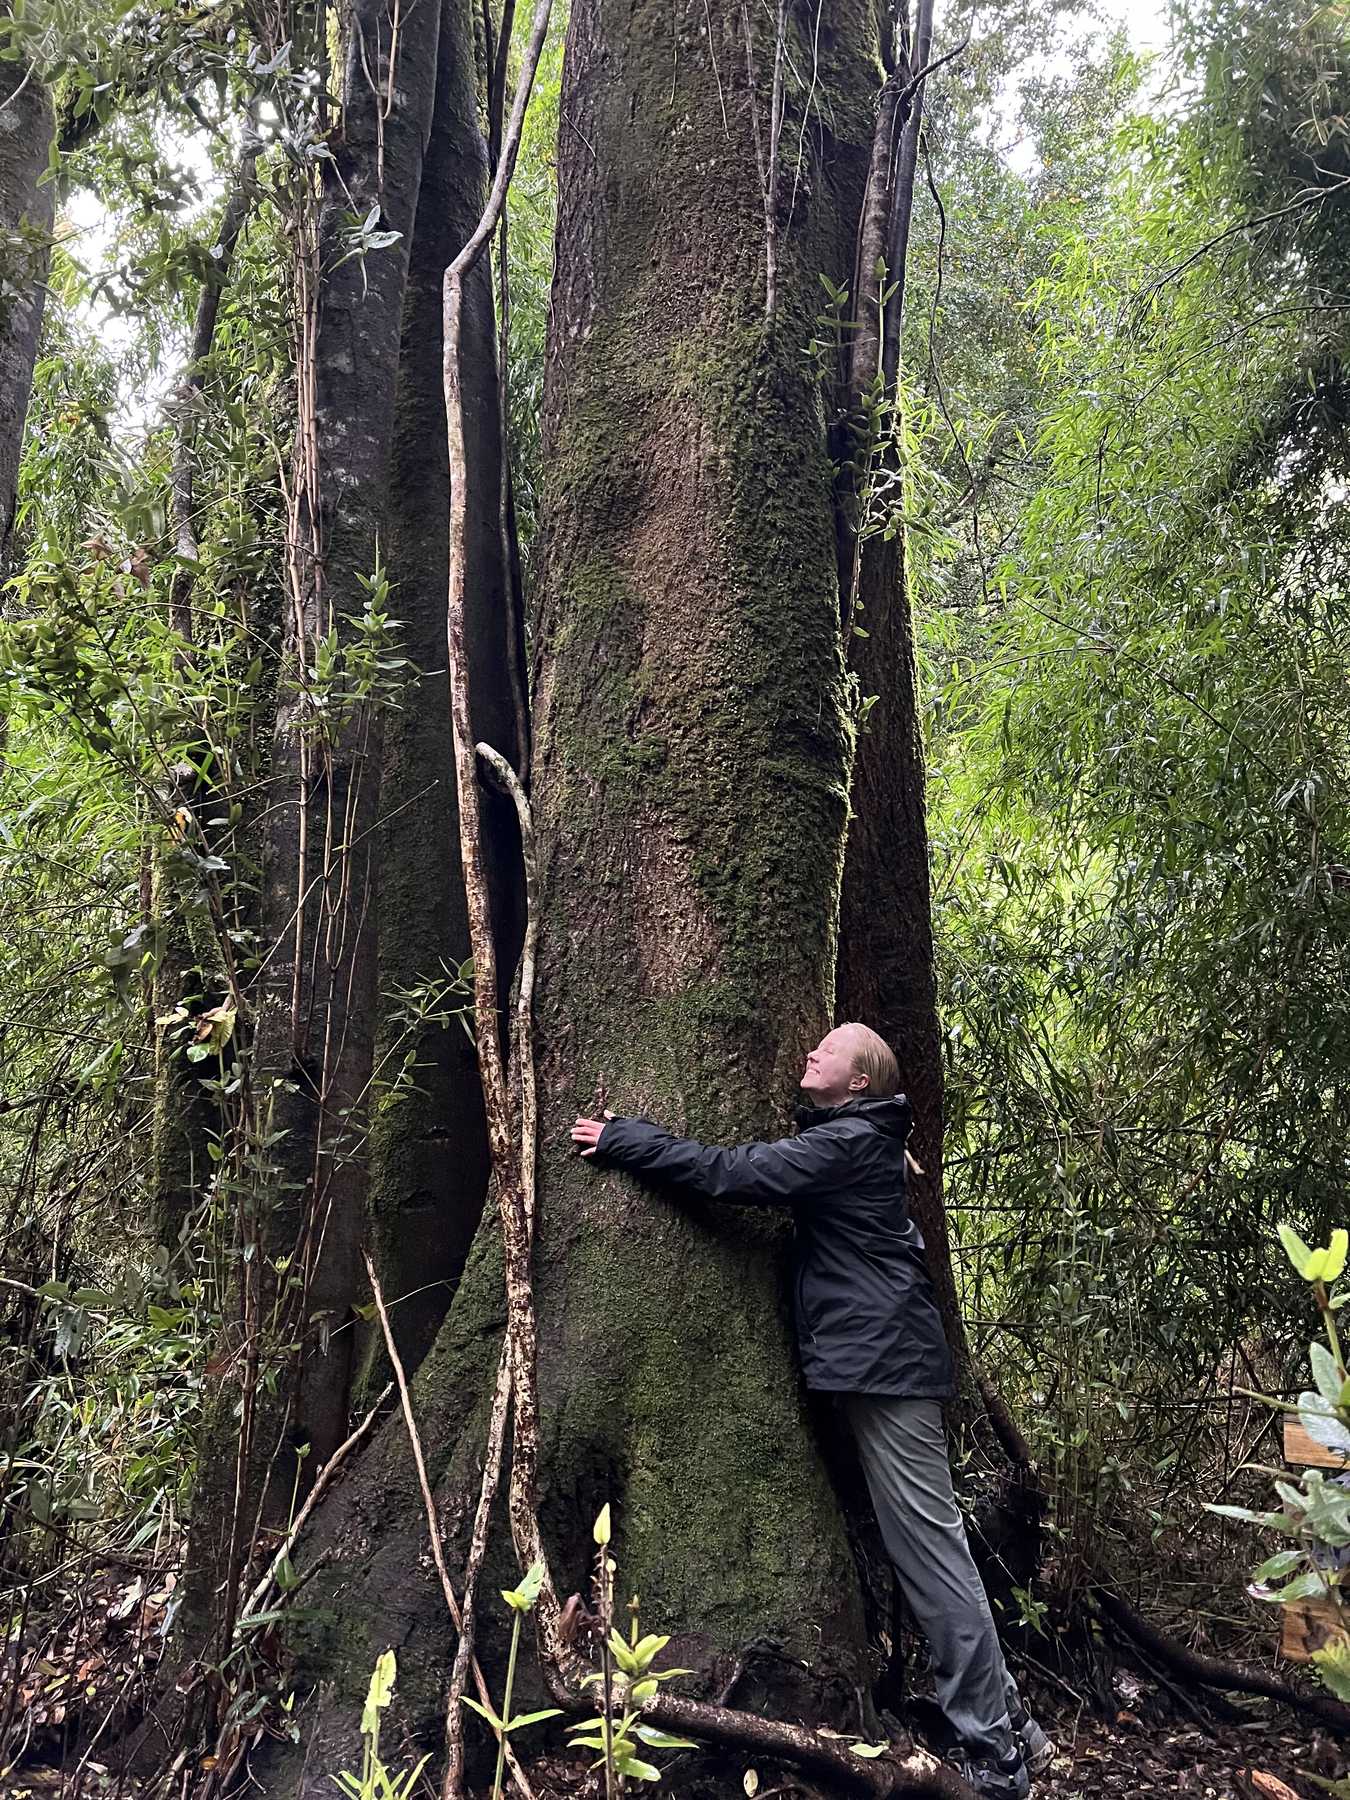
(521, 1600)
(1315, 1510)
(375, 1781)
(627, 1678)
(108, 1414)
(1133, 640)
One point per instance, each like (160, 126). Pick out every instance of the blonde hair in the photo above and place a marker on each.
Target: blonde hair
(874, 1058)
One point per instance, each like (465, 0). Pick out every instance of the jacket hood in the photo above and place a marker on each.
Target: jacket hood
(893, 1115)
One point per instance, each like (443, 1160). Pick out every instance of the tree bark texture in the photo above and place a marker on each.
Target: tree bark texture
(316, 1013)
(429, 1149)
(692, 748)
(26, 212)
(887, 975)
(316, 1000)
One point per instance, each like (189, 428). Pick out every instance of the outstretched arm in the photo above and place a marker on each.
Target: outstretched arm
(777, 1174)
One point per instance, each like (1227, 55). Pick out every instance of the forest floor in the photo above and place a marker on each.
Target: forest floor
(71, 1680)
(1170, 1745)
(1265, 1759)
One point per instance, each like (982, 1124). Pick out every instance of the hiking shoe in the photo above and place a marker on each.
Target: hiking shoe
(1037, 1750)
(993, 1777)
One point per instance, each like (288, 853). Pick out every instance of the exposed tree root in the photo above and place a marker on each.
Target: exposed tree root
(1213, 1671)
(828, 1759)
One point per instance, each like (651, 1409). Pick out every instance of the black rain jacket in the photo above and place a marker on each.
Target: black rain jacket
(867, 1320)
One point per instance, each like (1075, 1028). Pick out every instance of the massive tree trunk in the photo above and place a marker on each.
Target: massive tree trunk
(429, 1147)
(692, 755)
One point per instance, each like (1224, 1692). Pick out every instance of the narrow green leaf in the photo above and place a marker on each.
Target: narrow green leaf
(484, 1712)
(662, 1740)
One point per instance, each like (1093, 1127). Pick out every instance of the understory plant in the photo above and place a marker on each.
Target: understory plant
(626, 1680)
(521, 1600)
(375, 1781)
(1314, 1509)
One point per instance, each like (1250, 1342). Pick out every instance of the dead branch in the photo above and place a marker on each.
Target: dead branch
(322, 1480)
(1214, 1671)
(828, 1759)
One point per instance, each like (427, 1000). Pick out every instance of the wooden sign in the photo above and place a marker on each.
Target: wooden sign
(1305, 1452)
(1309, 1625)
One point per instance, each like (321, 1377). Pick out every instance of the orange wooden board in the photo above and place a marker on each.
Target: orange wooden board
(1306, 1452)
(1307, 1625)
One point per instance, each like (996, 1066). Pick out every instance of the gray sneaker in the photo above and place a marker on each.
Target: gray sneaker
(1038, 1751)
(993, 1777)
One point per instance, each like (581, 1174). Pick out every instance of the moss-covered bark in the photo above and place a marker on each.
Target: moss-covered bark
(692, 754)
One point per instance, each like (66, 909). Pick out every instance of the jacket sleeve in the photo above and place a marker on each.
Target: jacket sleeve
(779, 1174)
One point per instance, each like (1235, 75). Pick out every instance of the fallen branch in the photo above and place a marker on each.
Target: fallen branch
(1213, 1671)
(828, 1759)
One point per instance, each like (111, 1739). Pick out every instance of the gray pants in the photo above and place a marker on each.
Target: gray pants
(904, 1457)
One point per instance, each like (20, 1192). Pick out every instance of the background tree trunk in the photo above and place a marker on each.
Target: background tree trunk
(304, 1198)
(691, 753)
(26, 213)
(429, 1150)
(26, 127)
(887, 975)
